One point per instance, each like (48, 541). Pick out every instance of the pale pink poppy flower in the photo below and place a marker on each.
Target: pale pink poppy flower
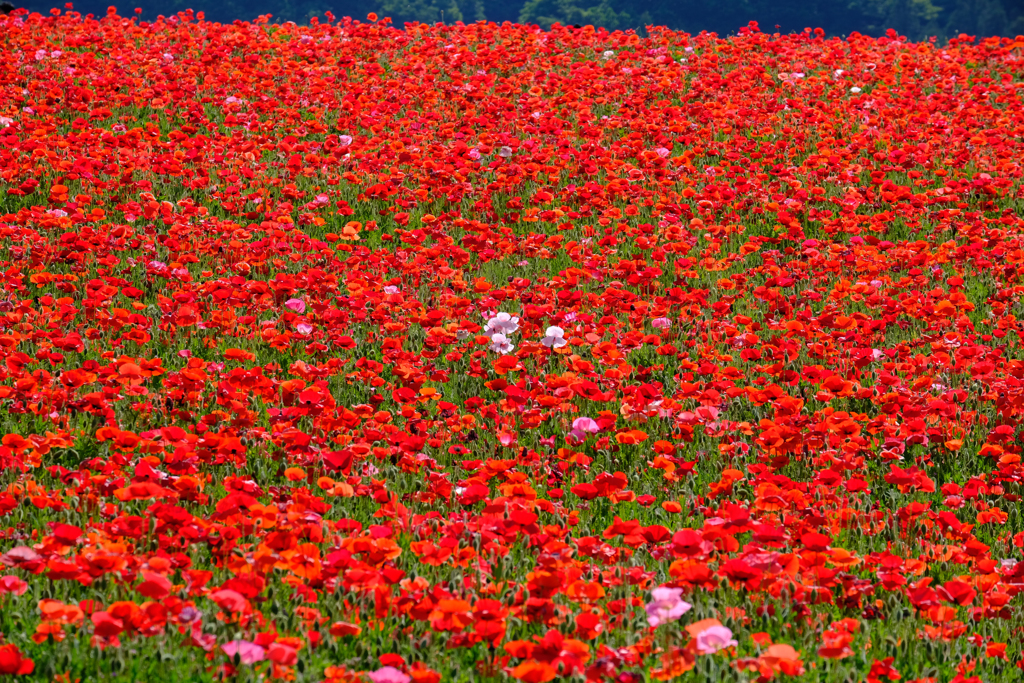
(501, 344)
(503, 323)
(554, 338)
(666, 605)
(296, 305)
(713, 639)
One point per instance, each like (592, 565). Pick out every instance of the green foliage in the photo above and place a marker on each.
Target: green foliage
(548, 12)
(431, 11)
(983, 17)
(916, 18)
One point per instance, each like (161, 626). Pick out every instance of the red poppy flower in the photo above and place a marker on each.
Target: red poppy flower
(13, 663)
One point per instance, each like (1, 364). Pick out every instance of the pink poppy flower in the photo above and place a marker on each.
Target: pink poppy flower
(248, 653)
(12, 584)
(582, 426)
(554, 338)
(501, 344)
(388, 674)
(713, 639)
(666, 605)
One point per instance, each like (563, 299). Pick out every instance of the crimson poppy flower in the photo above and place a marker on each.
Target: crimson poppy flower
(13, 663)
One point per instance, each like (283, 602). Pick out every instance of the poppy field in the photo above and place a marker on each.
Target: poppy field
(344, 352)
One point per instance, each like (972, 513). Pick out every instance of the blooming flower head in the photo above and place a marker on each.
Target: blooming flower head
(12, 584)
(554, 338)
(296, 305)
(661, 323)
(388, 674)
(582, 426)
(13, 662)
(666, 605)
(248, 653)
(503, 323)
(189, 614)
(713, 639)
(501, 344)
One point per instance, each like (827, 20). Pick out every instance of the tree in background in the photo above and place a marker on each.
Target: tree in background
(500, 11)
(917, 18)
(431, 11)
(569, 12)
(983, 18)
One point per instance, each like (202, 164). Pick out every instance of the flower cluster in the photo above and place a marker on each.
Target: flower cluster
(341, 352)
